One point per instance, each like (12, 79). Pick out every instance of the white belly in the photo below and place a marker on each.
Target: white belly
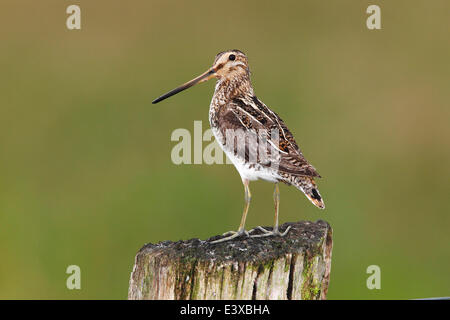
(247, 171)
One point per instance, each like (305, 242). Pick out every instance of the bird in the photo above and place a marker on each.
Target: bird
(243, 126)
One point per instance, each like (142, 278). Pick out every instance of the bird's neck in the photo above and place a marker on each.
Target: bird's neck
(230, 88)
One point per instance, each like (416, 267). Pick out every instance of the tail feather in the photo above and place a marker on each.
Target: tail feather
(309, 188)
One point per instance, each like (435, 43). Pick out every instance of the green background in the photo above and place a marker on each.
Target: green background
(86, 176)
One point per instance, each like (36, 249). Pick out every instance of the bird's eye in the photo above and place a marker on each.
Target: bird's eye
(232, 57)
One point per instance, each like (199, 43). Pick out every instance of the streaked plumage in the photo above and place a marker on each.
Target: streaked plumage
(235, 107)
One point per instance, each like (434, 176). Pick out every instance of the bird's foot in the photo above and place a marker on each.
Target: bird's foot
(267, 233)
(234, 234)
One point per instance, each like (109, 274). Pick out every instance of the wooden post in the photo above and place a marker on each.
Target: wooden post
(296, 266)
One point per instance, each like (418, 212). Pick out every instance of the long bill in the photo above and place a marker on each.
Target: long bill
(201, 78)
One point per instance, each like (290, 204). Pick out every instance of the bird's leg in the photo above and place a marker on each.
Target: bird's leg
(241, 230)
(275, 231)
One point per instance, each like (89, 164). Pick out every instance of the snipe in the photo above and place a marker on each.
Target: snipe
(254, 137)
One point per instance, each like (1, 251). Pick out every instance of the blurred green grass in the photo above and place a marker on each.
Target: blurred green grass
(86, 176)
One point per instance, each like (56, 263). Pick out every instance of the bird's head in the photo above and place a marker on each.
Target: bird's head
(230, 64)
(227, 65)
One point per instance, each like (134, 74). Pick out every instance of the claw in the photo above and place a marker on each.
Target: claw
(234, 234)
(238, 232)
(285, 231)
(267, 233)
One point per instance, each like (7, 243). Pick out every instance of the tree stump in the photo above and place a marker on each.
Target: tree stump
(293, 267)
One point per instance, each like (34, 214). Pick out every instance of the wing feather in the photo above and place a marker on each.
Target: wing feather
(251, 115)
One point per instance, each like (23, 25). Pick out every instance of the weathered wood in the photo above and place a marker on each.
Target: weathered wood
(296, 266)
